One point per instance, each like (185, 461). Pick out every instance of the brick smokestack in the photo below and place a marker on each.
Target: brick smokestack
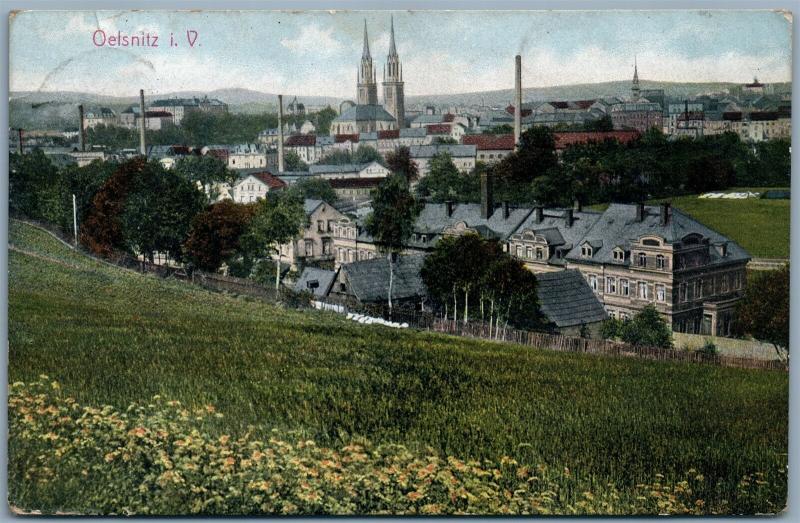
(280, 133)
(81, 130)
(487, 199)
(142, 123)
(517, 100)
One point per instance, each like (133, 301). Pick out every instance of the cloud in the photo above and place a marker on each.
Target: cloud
(313, 39)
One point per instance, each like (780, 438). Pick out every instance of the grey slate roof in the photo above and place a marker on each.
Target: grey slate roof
(429, 151)
(316, 281)
(340, 168)
(310, 205)
(618, 224)
(567, 300)
(369, 279)
(429, 118)
(556, 219)
(413, 132)
(365, 113)
(433, 219)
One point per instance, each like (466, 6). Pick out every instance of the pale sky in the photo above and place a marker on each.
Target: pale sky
(317, 52)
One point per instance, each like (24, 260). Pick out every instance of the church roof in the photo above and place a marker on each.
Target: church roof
(365, 113)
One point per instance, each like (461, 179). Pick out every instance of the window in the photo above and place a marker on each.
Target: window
(611, 285)
(699, 289)
(309, 248)
(661, 293)
(320, 225)
(519, 251)
(682, 292)
(593, 282)
(619, 255)
(642, 290)
(539, 253)
(529, 252)
(660, 261)
(642, 259)
(624, 288)
(586, 251)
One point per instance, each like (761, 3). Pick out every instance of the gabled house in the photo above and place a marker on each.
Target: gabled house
(314, 244)
(253, 186)
(367, 281)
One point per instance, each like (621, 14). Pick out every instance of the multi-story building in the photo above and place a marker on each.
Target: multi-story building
(252, 187)
(490, 148)
(463, 156)
(247, 156)
(639, 115)
(315, 244)
(95, 116)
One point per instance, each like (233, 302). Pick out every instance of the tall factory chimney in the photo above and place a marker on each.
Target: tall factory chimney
(142, 124)
(280, 133)
(81, 130)
(517, 100)
(19, 145)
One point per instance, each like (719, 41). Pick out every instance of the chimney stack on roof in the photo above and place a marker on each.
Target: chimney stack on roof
(506, 210)
(569, 218)
(142, 124)
(487, 200)
(517, 100)
(577, 205)
(280, 133)
(81, 130)
(450, 205)
(640, 212)
(538, 214)
(666, 213)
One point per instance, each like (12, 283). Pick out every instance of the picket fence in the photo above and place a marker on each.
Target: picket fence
(426, 320)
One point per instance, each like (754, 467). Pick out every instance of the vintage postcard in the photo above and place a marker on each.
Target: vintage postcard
(399, 262)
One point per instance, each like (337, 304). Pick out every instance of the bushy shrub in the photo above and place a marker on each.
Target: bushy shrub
(155, 459)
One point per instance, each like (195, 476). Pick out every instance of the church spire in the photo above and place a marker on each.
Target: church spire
(635, 91)
(365, 53)
(392, 49)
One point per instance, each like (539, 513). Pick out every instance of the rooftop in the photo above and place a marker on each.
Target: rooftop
(567, 300)
(369, 279)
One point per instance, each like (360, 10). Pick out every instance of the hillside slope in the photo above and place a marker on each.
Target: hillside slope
(111, 336)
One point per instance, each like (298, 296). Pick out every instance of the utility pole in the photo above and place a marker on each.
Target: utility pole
(19, 145)
(280, 133)
(75, 220)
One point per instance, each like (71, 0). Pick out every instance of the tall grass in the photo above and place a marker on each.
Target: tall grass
(115, 337)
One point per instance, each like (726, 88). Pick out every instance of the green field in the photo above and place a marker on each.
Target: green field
(114, 337)
(760, 226)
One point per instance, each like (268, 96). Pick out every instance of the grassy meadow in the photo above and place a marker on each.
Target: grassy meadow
(113, 337)
(760, 226)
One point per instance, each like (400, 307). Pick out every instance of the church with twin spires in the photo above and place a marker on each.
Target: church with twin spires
(367, 115)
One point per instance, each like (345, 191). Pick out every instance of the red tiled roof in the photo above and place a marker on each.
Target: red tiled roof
(341, 138)
(524, 112)
(389, 134)
(271, 181)
(157, 114)
(181, 149)
(301, 140)
(584, 104)
(490, 142)
(692, 115)
(448, 117)
(567, 138)
(355, 183)
(439, 128)
(560, 105)
(222, 154)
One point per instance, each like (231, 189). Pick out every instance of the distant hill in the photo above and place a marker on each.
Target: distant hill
(58, 109)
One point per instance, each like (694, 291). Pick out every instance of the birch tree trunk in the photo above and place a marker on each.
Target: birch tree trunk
(278, 270)
(391, 282)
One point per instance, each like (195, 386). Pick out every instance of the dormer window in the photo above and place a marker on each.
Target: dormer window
(586, 251)
(618, 255)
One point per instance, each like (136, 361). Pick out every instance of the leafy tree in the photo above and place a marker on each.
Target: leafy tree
(215, 232)
(499, 129)
(101, 231)
(367, 154)
(158, 211)
(445, 182)
(647, 328)
(769, 165)
(763, 311)
(611, 329)
(445, 140)
(337, 157)
(205, 172)
(322, 120)
(316, 189)
(400, 162)
(35, 187)
(392, 219)
(278, 219)
(535, 157)
(292, 162)
(601, 124)
(84, 182)
(112, 136)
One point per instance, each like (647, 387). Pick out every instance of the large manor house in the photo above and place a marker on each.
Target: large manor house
(367, 115)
